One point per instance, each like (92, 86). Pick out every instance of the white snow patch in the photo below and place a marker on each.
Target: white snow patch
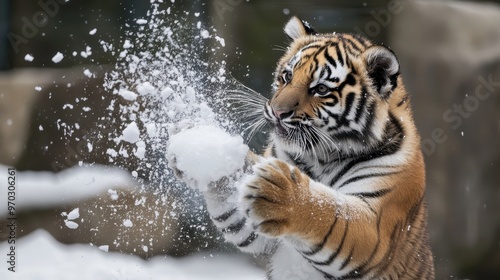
(38, 88)
(82, 261)
(58, 57)
(141, 21)
(93, 31)
(47, 189)
(206, 153)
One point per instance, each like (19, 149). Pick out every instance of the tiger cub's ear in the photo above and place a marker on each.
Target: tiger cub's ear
(383, 68)
(296, 28)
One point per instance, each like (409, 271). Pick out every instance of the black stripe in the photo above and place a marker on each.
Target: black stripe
(361, 39)
(330, 59)
(312, 47)
(365, 176)
(235, 228)
(349, 100)
(225, 216)
(336, 253)
(319, 247)
(361, 104)
(339, 56)
(348, 259)
(388, 256)
(251, 196)
(327, 276)
(375, 194)
(361, 269)
(403, 100)
(352, 43)
(251, 238)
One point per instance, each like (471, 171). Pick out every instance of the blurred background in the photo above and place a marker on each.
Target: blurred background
(450, 60)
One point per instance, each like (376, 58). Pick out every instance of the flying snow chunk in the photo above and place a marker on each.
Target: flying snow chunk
(87, 73)
(141, 21)
(221, 41)
(145, 88)
(127, 223)
(104, 248)
(131, 133)
(206, 153)
(58, 57)
(93, 31)
(71, 224)
(40, 128)
(127, 44)
(38, 88)
(74, 214)
(127, 94)
(28, 57)
(204, 34)
(166, 92)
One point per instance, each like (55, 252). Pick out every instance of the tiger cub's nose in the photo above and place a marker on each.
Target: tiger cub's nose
(281, 114)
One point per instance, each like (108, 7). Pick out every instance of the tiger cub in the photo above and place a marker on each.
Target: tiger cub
(340, 194)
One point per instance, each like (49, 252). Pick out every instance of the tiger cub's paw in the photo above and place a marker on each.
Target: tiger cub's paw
(274, 196)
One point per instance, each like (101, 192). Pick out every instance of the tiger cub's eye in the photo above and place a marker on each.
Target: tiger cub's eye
(286, 76)
(322, 89)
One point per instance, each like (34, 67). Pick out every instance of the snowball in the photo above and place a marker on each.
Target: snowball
(37, 88)
(28, 57)
(75, 214)
(131, 133)
(58, 57)
(40, 128)
(206, 153)
(141, 21)
(93, 31)
(127, 94)
(71, 224)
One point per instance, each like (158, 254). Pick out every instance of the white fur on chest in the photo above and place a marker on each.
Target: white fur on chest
(288, 264)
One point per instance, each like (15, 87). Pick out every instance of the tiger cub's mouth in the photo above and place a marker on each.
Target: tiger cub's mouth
(280, 129)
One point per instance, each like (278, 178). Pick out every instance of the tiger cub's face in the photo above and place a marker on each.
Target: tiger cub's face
(331, 91)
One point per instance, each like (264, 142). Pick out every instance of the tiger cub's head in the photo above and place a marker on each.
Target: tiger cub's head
(333, 90)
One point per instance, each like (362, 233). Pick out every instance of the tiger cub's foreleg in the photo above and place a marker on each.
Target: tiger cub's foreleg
(222, 199)
(331, 230)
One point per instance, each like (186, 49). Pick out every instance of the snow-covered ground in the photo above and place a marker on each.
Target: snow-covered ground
(38, 190)
(41, 257)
